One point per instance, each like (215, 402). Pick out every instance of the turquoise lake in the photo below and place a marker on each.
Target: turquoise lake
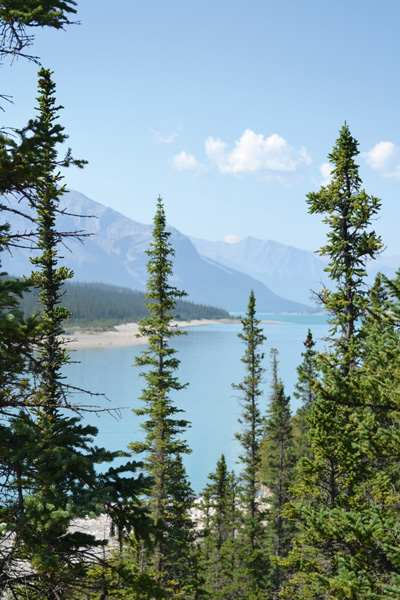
(210, 358)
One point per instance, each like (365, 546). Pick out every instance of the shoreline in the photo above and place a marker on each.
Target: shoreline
(125, 334)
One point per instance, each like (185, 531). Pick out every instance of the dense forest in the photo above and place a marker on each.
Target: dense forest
(313, 512)
(99, 305)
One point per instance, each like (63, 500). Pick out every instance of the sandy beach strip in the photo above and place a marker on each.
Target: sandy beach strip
(125, 335)
(122, 335)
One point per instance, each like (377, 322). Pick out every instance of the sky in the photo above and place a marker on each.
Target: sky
(227, 109)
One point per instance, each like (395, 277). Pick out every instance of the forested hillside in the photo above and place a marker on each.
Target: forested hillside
(102, 305)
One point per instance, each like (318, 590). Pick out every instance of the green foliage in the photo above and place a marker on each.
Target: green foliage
(304, 391)
(170, 497)
(347, 496)
(49, 278)
(16, 337)
(47, 462)
(17, 172)
(102, 305)
(37, 13)
(251, 535)
(345, 501)
(306, 372)
(221, 520)
(349, 211)
(18, 15)
(249, 393)
(277, 474)
(48, 474)
(52, 480)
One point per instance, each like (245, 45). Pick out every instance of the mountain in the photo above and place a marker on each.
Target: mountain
(290, 272)
(115, 253)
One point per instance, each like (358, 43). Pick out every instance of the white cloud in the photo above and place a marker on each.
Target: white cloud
(187, 162)
(166, 139)
(384, 157)
(272, 157)
(326, 170)
(231, 239)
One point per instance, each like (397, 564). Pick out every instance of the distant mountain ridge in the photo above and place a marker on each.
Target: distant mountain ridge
(289, 271)
(115, 254)
(217, 273)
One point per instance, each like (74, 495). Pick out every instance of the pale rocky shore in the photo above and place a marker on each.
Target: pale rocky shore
(123, 335)
(126, 334)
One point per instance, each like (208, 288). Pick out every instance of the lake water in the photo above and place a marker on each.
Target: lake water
(210, 361)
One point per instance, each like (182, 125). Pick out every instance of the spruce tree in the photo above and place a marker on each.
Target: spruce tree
(47, 458)
(170, 497)
(304, 391)
(349, 212)
(277, 475)
(252, 532)
(47, 466)
(49, 278)
(221, 521)
(346, 497)
(306, 373)
(20, 169)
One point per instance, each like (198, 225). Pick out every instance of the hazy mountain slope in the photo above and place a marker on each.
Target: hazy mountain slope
(90, 259)
(208, 281)
(290, 272)
(116, 254)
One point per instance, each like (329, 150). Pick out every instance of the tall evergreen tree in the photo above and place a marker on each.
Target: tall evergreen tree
(306, 373)
(251, 534)
(304, 391)
(221, 521)
(349, 211)
(171, 497)
(49, 277)
(47, 458)
(47, 467)
(347, 499)
(277, 475)
(20, 169)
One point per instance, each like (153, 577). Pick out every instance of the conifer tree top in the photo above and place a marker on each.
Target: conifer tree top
(348, 213)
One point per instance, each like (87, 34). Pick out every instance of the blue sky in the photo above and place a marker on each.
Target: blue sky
(226, 109)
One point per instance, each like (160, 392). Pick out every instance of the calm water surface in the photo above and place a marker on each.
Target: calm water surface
(210, 361)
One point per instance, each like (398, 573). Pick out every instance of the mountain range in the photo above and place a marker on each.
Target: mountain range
(214, 273)
(290, 272)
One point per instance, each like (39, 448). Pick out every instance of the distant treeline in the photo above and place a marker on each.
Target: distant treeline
(100, 304)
